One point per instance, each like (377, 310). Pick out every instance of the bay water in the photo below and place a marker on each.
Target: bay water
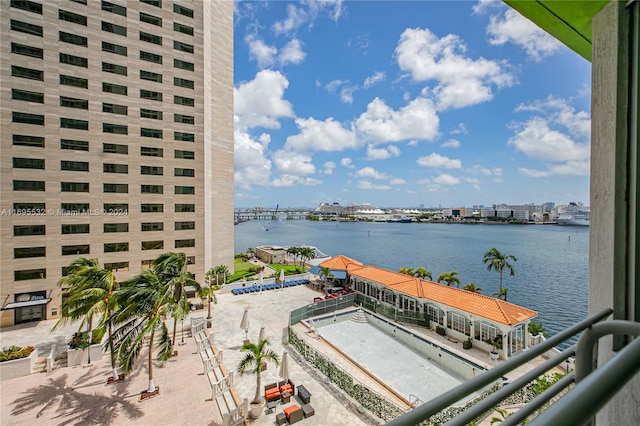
(550, 273)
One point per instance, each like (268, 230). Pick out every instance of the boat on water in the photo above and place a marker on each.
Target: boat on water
(400, 220)
(574, 217)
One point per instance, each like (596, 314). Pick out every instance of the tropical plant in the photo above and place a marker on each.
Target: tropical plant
(449, 278)
(171, 270)
(407, 271)
(502, 294)
(502, 416)
(472, 288)
(306, 253)
(423, 273)
(256, 355)
(90, 290)
(324, 274)
(293, 252)
(15, 352)
(213, 279)
(536, 327)
(498, 262)
(145, 300)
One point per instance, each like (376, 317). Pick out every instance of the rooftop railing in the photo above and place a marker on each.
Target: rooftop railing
(594, 387)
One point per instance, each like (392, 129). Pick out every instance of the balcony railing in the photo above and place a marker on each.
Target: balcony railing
(594, 387)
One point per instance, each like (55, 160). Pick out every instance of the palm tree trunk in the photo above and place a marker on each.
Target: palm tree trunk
(256, 399)
(152, 387)
(113, 355)
(209, 307)
(500, 288)
(175, 329)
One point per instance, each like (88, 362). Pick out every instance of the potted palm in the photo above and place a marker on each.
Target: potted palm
(256, 355)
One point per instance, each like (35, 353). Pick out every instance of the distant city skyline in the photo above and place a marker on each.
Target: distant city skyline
(405, 103)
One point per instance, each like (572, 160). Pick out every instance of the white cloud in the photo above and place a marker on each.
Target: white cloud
(328, 135)
(397, 181)
(371, 173)
(474, 182)
(533, 172)
(460, 128)
(382, 153)
(259, 51)
(446, 179)
(511, 27)
(537, 140)
(451, 143)
(439, 161)
(344, 88)
(307, 13)
(376, 78)
(260, 103)
(292, 180)
(251, 167)
(293, 163)
(483, 5)
(347, 162)
(365, 184)
(381, 124)
(296, 16)
(329, 167)
(292, 53)
(570, 168)
(497, 171)
(460, 81)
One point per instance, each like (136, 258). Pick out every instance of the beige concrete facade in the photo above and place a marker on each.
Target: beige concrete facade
(169, 161)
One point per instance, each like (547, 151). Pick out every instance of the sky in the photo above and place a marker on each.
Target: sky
(405, 104)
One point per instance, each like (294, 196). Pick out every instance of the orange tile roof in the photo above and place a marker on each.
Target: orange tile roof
(339, 262)
(474, 303)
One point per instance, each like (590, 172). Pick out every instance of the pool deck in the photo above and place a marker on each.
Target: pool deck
(79, 395)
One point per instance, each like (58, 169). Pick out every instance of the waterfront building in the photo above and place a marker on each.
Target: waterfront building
(116, 141)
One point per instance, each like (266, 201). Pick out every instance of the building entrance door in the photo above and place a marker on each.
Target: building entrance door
(30, 313)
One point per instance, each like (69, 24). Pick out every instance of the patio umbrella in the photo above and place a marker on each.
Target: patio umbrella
(244, 324)
(262, 335)
(281, 276)
(284, 367)
(260, 280)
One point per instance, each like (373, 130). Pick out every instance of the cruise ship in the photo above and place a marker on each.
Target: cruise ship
(574, 216)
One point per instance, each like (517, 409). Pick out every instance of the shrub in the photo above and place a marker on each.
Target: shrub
(440, 330)
(80, 340)
(15, 352)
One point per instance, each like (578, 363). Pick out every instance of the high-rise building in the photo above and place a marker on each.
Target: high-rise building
(116, 141)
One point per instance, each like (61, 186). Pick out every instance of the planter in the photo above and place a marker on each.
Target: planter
(18, 367)
(255, 410)
(440, 330)
(494, 355)
(77, 357)
(467, 344)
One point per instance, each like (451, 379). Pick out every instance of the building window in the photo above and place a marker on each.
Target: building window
(27, 28)
(28, 163)
(115, 188)
(67, 80)
(151, 133)
(149, 113)
(185, 137)
(181, 28)
(72, 39)
(150, 152)
(177, 63)
(185, 119)
(182, 226)
(146, 264)
(25, 230)
(150, 57)
(27, 252)
(185, 11)
(148, 94)
(185, 243)
(150, 76)
(26, 140)
(183, 47)
(114, 8)
(153, 245)
(74, 207)
(114, 48)
(115, 168)
(25, 95)
(23, 117)
(150, 19)
(113, 28)
(156, 3)
(113, 68)
(185, 190)
(28, 73)
(114, 148)
(181, 82)
(77, 61)
(115, 247)
(151, 170)
(23, 49)
(115, 109)
(116, 266)
(74, 186)
(458, 323)
(72, 17)
(75, 229)
(151, 189)
(74, 145)
(152, 226)
(152, 208)
(186, 155)
(30, 207)
(151, 38)
(115, 227)
(74, 103)
(30, 274)
(75, 249)
(29, 6)
(116, 208)
(185, 208)
(28, 185)
(114, 88)
(74, 166)
(183, 172)
(119, 129)
(72, 123)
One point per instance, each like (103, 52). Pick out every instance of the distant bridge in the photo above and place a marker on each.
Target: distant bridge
(259, 213)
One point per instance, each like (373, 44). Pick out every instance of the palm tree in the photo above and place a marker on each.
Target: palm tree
(449, 278)
(294, 252)
(252, 362)
(501, 294)
(472, 287)
(423, 273)
(306, 253)
(324, 274)
(499, 262)
(407, 271)
(213, 278)
(90, 290)
(145, 299)
(171, 270)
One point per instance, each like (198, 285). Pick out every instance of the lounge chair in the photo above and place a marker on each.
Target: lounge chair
(293, 413)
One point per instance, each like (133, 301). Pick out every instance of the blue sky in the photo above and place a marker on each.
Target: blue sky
(405, 103)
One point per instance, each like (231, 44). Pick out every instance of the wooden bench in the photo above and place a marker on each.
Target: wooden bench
(304, 394)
